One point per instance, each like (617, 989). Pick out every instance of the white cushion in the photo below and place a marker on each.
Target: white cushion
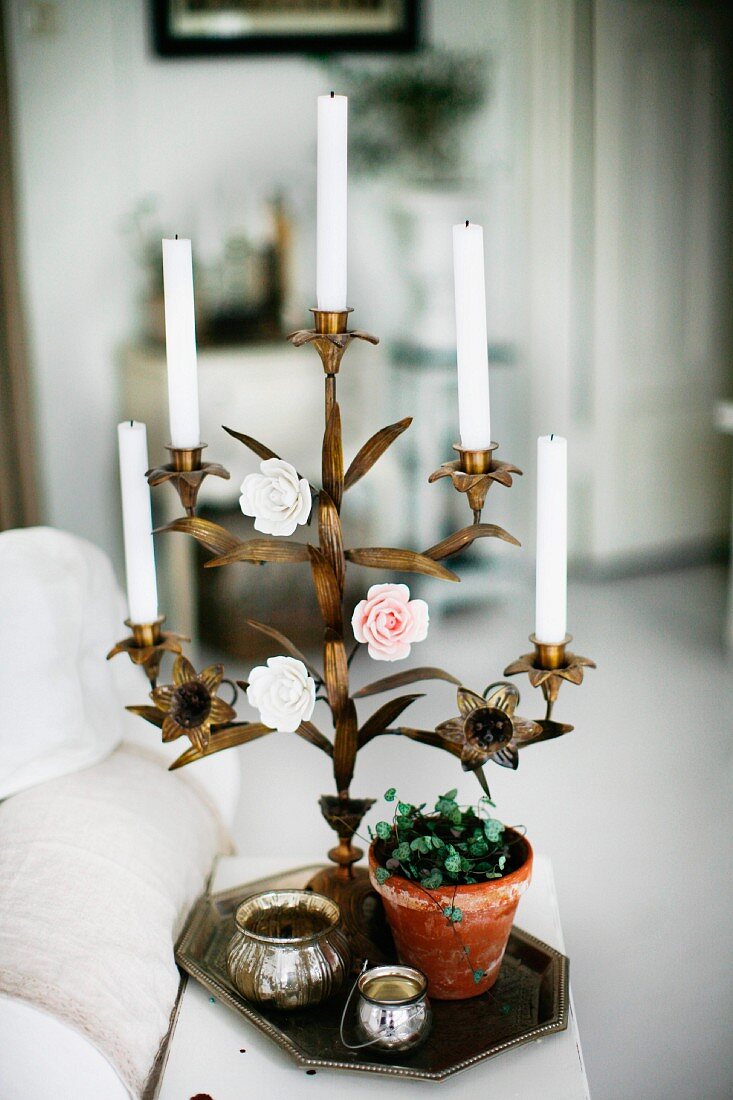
(98, 870)
(60, 612)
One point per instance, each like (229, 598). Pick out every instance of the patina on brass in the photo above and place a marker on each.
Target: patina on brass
(548, 666)
(146, 646)
(186, 472)
(473, 473)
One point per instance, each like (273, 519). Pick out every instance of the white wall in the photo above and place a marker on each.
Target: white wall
(101, 122)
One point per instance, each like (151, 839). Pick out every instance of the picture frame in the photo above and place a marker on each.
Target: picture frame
(190, 28)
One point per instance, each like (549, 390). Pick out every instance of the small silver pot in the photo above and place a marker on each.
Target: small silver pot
(393, 1012)
(288, 951)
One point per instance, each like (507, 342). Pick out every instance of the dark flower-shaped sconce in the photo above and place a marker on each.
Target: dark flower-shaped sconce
(488, 729)
(190, 704)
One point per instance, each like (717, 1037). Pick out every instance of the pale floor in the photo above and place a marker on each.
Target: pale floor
(634, 807)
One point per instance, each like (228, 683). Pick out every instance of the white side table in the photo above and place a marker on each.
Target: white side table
(724, 421)
(214, 1052)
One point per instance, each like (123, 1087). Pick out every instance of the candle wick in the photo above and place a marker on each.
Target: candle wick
(552, 436)
(332, 94)
(130, 423)
(176, 236)
(466, 223)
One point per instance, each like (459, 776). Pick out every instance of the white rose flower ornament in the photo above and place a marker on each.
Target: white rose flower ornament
(276, 497)
(283, 693)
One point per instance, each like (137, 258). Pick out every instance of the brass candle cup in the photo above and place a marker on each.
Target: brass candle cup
(289, 951)
(186, 471)
(393, 1013)
(147, 644)
(550, 655)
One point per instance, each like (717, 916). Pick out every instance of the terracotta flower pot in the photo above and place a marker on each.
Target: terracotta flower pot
(426, 939)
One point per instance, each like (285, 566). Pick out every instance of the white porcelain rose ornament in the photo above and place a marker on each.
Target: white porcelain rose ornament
(283, 692)
(277, 498)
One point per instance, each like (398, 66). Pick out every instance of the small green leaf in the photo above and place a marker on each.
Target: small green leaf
(433, 880)
(402, 851)
(404, 808)
(502, 862)
(451, 795)
(389, 796)
(493, 829)
(453, 913)
(383, 830)
(478, 975)
(453, 863)
(381, 874)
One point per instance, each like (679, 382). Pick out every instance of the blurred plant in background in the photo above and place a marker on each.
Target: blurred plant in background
(413, 112)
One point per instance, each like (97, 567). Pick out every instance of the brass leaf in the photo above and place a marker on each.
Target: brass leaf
(285, 642)
(332, 546)
(400, 679)
(429, 737)
(327, 588)
(465, 537)
(253, 444)
(345, 747)
(211, 535)
(405, 561)
(335, 672)
(381, 718)
(373, 449)
(310, 733)
(333, 457)
(238, 733)
(256, 550)
(150, 714)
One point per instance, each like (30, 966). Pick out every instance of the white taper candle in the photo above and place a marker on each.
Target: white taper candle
(552, 539)
(142, 590)
(331, 202)
(474, 415)
(180, 344)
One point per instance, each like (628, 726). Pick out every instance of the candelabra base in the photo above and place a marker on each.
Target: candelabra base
(365, 924)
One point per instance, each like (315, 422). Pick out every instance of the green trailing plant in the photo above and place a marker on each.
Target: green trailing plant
(451, 845)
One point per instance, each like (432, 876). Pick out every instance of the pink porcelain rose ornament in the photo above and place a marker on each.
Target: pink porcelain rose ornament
(389, 622)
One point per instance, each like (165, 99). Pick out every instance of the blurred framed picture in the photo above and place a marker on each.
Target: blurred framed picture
(195, 27)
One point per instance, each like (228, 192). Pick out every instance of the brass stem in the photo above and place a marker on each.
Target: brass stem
(146, 634)
(331, 322)
(330, 394)
(550, 655)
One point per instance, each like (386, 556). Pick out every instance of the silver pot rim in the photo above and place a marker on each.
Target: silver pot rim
(393, 969)
(299, 900)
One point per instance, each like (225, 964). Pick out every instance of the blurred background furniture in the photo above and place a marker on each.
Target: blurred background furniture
(724, 420)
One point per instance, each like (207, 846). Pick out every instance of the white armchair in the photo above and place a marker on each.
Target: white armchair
(102, 850)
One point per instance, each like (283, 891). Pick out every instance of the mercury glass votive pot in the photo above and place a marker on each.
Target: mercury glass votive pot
(393, 1012)
(289, 950)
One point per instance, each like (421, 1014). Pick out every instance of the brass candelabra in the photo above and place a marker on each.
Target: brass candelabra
(487, 728)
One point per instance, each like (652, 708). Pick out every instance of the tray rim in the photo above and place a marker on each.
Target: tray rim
(187, 963)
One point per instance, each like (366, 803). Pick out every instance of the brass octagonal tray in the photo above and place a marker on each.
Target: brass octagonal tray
(529, 999)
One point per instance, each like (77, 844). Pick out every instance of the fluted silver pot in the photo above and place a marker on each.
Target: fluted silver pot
(289, 950)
